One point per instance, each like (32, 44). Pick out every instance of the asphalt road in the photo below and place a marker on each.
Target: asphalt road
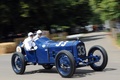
(111, 72)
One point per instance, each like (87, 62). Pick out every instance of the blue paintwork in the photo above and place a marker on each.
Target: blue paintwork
(47, 50)
(65, 55)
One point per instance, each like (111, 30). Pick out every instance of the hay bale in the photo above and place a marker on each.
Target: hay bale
(8, 47)
(18, 40)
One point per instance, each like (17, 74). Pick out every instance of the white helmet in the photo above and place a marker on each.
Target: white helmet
(39, 32)
(30, 34)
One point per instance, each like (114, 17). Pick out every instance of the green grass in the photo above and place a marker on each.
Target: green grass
(118, 39)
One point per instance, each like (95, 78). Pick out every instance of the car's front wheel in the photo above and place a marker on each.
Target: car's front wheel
(65, 63)
(100, 58)
(18, 63)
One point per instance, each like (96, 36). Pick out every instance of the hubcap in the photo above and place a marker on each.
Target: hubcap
(18, 64)
(64, 64)
(98, 57)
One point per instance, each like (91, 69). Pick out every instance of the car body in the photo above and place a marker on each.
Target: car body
(65, 55)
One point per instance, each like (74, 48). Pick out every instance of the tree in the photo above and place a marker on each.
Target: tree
(27, 15)
(107, 9)
(9, 16)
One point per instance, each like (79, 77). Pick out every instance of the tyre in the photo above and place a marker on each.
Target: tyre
(47, 66)
(18, 63)
(101, 54)
(65, 64)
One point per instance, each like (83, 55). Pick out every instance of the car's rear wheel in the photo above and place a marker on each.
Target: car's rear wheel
(101, 55)
(18, 63)
(65, 63)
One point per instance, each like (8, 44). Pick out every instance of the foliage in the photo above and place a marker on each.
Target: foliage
(107, 9)
(118, 39)
(28, 15)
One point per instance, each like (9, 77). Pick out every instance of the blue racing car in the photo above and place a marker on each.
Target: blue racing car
(65, 55)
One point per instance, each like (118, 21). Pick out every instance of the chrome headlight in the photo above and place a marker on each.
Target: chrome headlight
(18, 49)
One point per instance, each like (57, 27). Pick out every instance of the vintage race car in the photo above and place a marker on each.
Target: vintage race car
(65, 55)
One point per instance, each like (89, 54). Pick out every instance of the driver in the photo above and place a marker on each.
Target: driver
(28, 43)
(38, 35)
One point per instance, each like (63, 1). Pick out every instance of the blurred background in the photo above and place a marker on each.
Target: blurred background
(57, 18)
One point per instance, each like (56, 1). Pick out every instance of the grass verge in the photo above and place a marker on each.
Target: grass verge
(118, 39)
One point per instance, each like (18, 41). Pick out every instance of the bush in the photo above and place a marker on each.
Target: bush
(58, 36)
(118, 39)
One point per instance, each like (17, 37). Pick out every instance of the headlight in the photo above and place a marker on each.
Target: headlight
(18, 49)
(81, 50)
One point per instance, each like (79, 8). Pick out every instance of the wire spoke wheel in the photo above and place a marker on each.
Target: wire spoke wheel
(98, 54)
(100, 58)
(18, 63)
(65, 64)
